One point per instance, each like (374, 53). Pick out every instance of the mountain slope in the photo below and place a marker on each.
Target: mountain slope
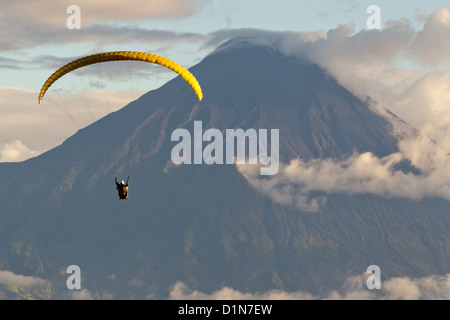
(206, 225)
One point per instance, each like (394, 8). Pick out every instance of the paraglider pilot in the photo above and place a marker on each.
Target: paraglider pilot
(122, 188)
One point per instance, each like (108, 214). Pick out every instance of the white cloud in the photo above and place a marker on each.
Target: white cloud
(354, 288)
(430, 45)
(359, 174)
(406, 288)
(8, 277)
(367, 63)
(15, 151)
(425, 104)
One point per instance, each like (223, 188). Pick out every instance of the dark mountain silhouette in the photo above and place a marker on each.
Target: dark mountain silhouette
(206, 225)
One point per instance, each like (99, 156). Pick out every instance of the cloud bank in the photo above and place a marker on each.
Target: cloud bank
(434, 287)
(354, 288)
(359, 174)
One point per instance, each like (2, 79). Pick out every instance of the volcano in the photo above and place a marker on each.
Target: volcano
(205, 225)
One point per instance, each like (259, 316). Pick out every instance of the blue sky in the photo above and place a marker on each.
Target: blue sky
(35, 41)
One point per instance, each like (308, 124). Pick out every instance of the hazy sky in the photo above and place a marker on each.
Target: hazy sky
(35, 40)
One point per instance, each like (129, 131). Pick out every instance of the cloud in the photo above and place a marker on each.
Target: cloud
(420, 16)
(354, 288)
(420, 169)
(368, 64)
(49, 12)
(180, 291)
(406, 288)
(15, 151)
(44, 23)
(428, 46)
(99, 35)
(83, 294)
(425, 104)
(9, 63)
(397, 39)
(8, 277)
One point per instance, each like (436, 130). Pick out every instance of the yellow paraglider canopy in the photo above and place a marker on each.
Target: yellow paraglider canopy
(122, 55)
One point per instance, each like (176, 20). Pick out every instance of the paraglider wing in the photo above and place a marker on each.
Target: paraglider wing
(122, 55)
